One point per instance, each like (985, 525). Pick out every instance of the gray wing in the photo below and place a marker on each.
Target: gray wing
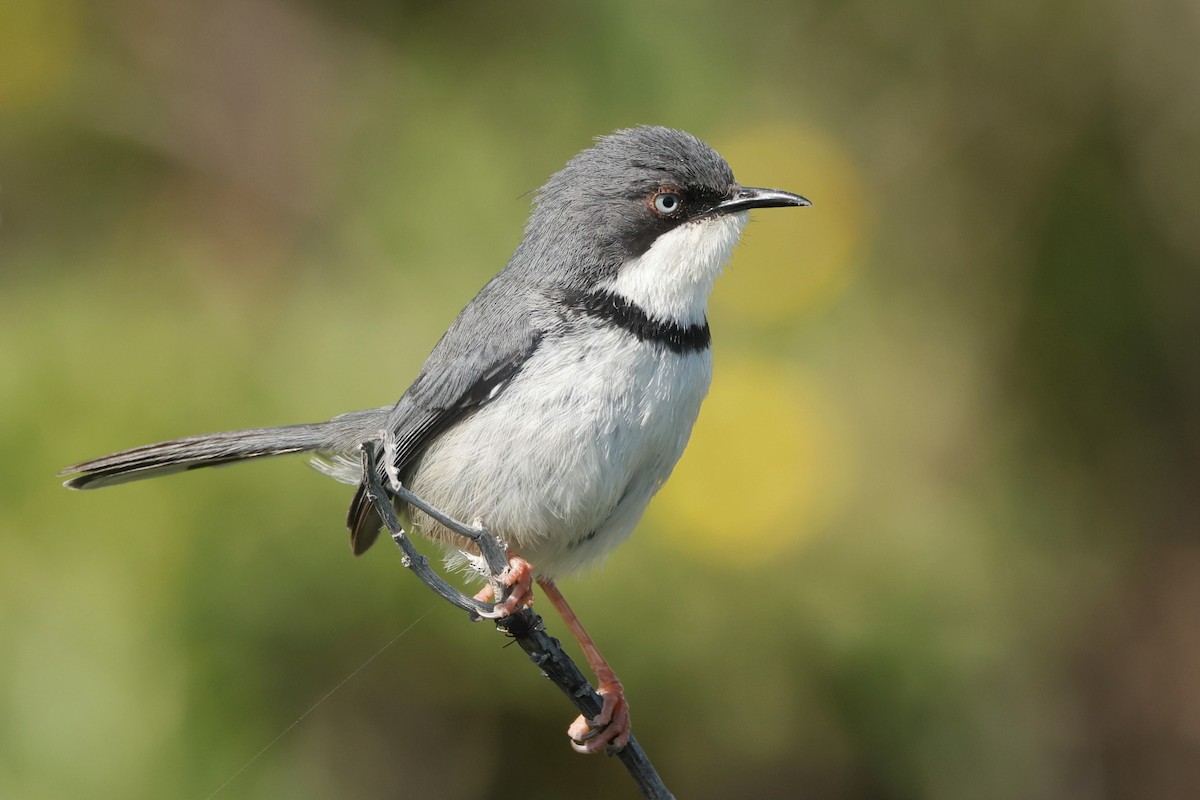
(483, 350)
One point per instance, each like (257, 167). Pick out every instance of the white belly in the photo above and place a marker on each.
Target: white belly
(563, 463)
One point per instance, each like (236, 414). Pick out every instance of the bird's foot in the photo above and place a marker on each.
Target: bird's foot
(390, 457)
(518, 576)
(608, 730)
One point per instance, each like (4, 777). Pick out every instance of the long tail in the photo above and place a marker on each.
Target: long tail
(214, 449)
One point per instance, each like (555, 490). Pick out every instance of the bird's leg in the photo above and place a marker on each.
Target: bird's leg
(519, 578)
(608, 730)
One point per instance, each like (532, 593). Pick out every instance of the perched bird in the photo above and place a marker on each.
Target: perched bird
(560, 398)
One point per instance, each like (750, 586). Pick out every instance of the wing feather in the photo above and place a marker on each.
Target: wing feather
(454, 382)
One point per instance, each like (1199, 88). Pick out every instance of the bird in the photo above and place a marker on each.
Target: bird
(559, 400)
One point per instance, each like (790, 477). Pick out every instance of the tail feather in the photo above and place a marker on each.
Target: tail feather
(334, 443)
(194, 452)
(363, 521)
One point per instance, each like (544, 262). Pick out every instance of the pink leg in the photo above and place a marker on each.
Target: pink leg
(519, 576)
(608, 730)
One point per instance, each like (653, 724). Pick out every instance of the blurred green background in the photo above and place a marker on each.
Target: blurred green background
(937, 532)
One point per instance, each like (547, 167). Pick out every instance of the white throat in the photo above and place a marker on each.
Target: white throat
(672, 280)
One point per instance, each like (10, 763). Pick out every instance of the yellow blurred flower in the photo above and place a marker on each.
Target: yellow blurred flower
(767, 466)
(793, 261)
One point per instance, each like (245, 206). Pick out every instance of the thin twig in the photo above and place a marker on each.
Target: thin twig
(525, 626)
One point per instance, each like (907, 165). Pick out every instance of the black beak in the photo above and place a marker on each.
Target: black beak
(745, 198)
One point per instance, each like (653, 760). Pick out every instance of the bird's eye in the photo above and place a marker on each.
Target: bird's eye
(667, 203)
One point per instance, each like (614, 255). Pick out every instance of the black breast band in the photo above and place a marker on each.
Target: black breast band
(626, 315)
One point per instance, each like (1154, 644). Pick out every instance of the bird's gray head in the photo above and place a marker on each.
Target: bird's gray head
(649, 213)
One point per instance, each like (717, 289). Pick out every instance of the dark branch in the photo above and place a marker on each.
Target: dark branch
(524, 626)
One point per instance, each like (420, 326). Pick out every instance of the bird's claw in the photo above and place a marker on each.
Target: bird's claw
(609, 730)
(518, 576)
(390, 456)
